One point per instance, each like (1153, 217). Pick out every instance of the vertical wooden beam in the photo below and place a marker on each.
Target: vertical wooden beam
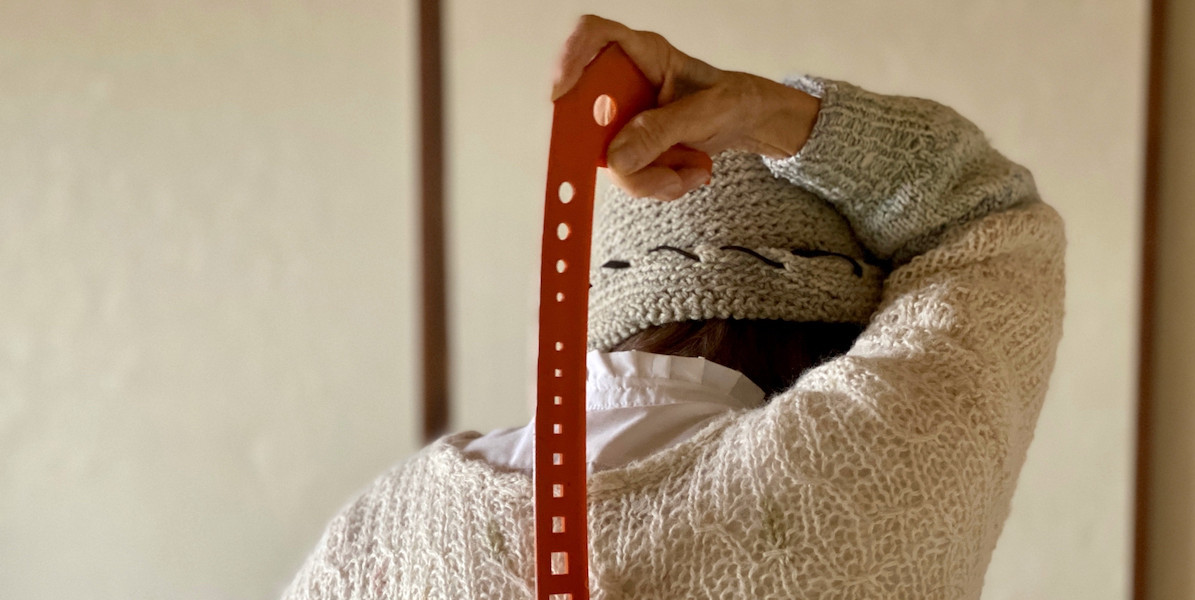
(1145, 351)
(433, 319)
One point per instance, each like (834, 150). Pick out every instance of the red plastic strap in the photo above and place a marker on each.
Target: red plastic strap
(577, 148)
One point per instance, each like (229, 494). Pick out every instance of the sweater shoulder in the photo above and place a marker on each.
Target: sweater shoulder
(404, 532)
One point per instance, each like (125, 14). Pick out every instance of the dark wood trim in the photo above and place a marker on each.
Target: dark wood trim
(1145, 371)
(433, 310)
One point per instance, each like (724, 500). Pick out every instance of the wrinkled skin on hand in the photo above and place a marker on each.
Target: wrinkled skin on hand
(700, 106)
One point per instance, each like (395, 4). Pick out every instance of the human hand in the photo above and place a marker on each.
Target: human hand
(700, 106)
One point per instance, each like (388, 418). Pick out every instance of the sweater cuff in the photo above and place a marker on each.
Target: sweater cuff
(902, 170)
(838, 160)
(826, 164)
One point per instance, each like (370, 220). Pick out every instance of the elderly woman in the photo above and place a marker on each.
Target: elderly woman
(814, 372)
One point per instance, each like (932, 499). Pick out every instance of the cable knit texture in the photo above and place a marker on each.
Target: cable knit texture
(884, 473)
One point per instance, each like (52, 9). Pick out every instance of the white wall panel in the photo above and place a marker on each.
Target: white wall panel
(206, 287)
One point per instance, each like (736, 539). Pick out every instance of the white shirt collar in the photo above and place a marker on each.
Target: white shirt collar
(619, 379)
(638, 403)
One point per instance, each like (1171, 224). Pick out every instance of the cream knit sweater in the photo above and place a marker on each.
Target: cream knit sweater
(885, 473)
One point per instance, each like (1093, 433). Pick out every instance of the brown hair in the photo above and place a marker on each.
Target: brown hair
(772, 354)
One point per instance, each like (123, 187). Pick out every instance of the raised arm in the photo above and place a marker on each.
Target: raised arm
(902, 170)
(913, 441)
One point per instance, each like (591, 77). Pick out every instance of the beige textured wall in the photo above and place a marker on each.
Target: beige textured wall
(206, 287)
(1057, 85)
(1171, 571)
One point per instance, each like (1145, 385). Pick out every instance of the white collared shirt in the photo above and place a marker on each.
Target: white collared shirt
(636, 403)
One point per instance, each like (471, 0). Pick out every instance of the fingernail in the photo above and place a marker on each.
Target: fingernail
(671, 192)
(696, 179)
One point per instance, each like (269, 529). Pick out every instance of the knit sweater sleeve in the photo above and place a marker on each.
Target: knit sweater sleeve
(902, 170)
(905, 452)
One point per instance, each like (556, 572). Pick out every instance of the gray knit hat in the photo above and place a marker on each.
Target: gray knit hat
(746, 246)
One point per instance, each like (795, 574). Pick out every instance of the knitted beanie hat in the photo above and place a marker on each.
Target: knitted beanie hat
(748, 245)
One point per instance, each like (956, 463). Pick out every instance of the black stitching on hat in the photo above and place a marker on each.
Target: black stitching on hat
(855, 266)
(616, 264)
(684, 253)
(761, 257)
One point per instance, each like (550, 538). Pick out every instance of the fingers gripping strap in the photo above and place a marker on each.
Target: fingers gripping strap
(610, 92)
